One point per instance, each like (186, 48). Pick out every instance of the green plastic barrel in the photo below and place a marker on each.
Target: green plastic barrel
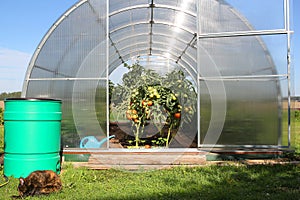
(31, 136)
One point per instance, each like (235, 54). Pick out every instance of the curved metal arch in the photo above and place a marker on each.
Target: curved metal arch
(147, 34)
(155, 6)
(187, 65)
(147, 23)
(160, 49)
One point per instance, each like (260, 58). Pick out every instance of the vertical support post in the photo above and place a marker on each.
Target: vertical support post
(198, 75)
(107, 73)
(287, 28)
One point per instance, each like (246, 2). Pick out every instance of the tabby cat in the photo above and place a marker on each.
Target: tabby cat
(39, 182)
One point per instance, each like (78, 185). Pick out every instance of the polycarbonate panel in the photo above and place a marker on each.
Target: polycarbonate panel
(138, 38)
(83, 107)
(73, 60)
(133, 40)
(192, 54)
(177, 17)
(284, 139)
(115, 5)
(127, 31)
(252, 113)
(50, 89)
(192, 71)
(58, 90)
(128, 17)
(70, 46)
(170, 42)
(235, 56)
(168, 50)
(219, 16)
(89, 108)
(134, 53)
(167, 39)
(189, 5)
(240, 88)
(163, 29)
(137, 47)
(276, 46)
(160, 65)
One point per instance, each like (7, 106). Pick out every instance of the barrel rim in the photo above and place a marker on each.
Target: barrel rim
(32, 99)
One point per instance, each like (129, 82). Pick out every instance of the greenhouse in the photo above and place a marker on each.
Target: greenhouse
(169, 74)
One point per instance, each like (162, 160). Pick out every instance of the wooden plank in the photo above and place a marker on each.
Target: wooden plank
(146, 159)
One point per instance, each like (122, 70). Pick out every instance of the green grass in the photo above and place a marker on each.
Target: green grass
(206, 182)
(296, 136)
(209, 182)
(1, 138)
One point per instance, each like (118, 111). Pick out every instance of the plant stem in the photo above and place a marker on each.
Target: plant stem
(168, 137)
(137, 134)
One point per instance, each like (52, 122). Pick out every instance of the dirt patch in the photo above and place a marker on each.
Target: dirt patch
(123, 134)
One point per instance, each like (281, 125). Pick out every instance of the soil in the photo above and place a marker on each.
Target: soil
(123, 134)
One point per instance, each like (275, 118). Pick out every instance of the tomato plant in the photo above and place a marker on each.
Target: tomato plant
(145, 95)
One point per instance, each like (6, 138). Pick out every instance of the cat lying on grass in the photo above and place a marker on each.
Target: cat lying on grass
(39, 182)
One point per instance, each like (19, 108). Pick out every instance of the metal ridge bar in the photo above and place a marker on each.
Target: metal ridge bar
(66, 79)
(243, 77)
(243, 33)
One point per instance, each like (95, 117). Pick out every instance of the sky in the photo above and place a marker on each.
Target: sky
(22, 27)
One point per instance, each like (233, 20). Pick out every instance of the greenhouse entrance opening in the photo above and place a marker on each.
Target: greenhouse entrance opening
(165, 74)
(153, 104)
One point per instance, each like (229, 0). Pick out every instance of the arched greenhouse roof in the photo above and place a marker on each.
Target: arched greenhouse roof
(162, 28)
(207, 39)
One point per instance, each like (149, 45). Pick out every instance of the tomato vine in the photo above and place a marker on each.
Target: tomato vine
(146, 96)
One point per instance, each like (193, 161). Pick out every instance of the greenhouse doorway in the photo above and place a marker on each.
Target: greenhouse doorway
(153, 105)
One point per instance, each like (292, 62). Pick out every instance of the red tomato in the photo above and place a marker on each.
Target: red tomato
(150, 103)
(177, 115)
(144, 103)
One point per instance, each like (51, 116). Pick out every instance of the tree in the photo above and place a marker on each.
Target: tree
(5, 95)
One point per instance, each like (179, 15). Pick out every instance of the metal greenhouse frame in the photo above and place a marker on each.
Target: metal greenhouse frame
(238, 62)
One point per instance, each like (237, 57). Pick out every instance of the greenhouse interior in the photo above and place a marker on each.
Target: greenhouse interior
(148, 74)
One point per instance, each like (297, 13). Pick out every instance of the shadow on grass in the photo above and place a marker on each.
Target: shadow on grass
(226, 182)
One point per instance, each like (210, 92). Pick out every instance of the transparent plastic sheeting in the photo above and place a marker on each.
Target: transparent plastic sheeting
(236, 77)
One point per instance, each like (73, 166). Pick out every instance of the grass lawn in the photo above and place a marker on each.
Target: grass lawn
(209, 182)
(229, 181)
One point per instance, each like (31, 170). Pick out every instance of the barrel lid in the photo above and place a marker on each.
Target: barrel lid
(31, 99)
